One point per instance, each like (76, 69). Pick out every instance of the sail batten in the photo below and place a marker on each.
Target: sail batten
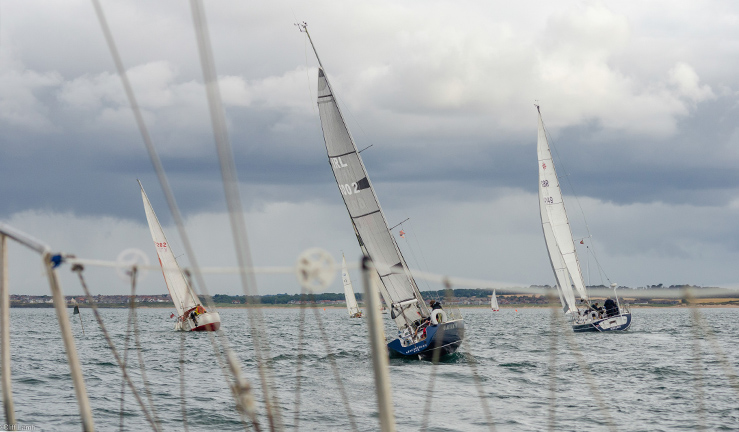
(364, 209)
(556, 227)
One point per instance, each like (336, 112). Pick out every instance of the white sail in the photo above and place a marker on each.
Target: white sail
(494, 302)
(182, 295)
(371, 228)
(351, 301)
(556, 227)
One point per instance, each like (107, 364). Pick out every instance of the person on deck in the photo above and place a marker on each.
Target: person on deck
(433, 304)
(194, 318)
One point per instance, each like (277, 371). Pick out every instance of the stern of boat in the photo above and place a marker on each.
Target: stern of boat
(209, 321)
(621, 322)
(444, 337)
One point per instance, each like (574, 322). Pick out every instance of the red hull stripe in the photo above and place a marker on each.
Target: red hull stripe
(208, 327)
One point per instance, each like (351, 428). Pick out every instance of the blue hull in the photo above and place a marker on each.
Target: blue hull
(615, 323)
(444, 338)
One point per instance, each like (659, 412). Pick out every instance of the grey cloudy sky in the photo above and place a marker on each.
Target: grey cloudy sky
(641, 98)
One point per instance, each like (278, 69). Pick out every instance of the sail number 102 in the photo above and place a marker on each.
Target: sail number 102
(349, 189)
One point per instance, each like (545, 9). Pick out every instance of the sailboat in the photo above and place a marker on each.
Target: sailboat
(351, 301)
(191, 314)
(421, 331)
(563, 256)
(494, 302)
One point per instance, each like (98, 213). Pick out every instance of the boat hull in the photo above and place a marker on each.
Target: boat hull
(209, 321)
(443, 338)
(615, 323)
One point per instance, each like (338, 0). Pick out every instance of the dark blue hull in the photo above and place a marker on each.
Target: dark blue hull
(615, 323)
(444, 338)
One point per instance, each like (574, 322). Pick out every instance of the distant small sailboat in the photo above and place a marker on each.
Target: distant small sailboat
(192, 316)
(494, 303)
(563, 256)
(351, 300)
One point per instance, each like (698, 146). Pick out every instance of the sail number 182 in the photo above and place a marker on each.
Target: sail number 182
(161, 245)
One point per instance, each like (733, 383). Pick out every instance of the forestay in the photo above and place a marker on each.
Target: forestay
(364, 209)
(182, 295)
(556, 227)
(351, 300)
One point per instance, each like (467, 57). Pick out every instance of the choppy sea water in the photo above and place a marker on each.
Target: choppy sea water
(646, 376)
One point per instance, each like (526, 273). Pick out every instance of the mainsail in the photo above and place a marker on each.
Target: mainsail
(398, 288)
(556, 226)
(494, 302)
(351, 300)
(182, 295)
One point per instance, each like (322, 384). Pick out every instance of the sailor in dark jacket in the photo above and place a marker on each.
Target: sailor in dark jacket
(433, 304)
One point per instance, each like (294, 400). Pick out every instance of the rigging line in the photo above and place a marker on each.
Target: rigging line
(183, 401)
(127, 339)
(334, 366)
(719, 353)
(589, 380)
(234, 366)
(299, 368)
(137, 342)
(577, 198)
(303, 27)
(93, 305)
(429, 396)
(307, 76)
(241, 391)
(423, 256)
(235, 208)
(473, 366)
(553, 336)
(697, 367)
(480, 390)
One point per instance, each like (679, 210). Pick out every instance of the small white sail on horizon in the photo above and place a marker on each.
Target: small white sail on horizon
(351, 300)
(494, 302)
(192, 316)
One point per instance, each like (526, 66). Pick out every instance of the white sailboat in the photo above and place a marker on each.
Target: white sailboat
(494, 302)
(562, 253)
(420, 330)
(351, 300)
(191, 315)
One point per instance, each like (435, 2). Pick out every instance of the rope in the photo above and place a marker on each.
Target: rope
(137, 343)
(713, 343)
(553, 336)
(129, 323)
(152, 420)
(233, 200)
(334, 366)
(580, 359)
(472, 362)
(182, 381)
(299, 367)
(234, 365)
(700, 410)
